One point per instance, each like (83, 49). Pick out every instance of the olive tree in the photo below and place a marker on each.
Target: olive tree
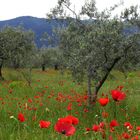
(92, 48)
(50, 57)
(15, 45)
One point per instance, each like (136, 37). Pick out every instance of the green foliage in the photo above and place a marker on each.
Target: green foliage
(14, 76)
(50, 57)
(131, 75)
(15, 45)
(15, 84)
(93, 48)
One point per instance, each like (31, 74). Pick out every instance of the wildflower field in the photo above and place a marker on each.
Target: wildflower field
(55, 108)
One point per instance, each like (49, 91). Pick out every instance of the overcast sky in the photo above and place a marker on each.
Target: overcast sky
(38, 8)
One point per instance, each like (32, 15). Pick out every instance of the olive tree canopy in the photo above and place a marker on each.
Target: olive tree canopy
(93, 47)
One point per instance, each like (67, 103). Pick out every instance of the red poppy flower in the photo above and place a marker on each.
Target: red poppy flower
(135, 138)
(120, 87)
(126, 135)
(110, 138)
(34, 118)
(138, 128)
(74, 120)
(10, 90)
(103, 101)
(101, 125)
(30, 100)
(64, 128)
(65, 120)
(114, 123)
(85, 110)
(128, 125)
(85, 97)
(105, 114)
(88, 129)
(69, 107)
(117, 95)
(95, 128)
(21, 117)
(44, 124)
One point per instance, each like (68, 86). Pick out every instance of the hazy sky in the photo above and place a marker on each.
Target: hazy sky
(38, 8)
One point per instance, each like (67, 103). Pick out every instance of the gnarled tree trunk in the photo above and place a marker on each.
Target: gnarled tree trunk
(89, 90)
(43, 67)
(100, 84)
(89, 79)
(1, 64)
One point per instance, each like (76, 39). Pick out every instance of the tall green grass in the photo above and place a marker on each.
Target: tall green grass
(44, 91)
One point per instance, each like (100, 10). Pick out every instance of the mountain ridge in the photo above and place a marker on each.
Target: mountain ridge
(41, 25)
(38, 25)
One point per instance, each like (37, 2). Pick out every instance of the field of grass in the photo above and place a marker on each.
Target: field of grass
(53, 96)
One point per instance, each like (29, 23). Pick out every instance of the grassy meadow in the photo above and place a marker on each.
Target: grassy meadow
(53, 96)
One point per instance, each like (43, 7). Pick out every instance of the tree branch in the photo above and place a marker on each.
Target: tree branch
(99, 85)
